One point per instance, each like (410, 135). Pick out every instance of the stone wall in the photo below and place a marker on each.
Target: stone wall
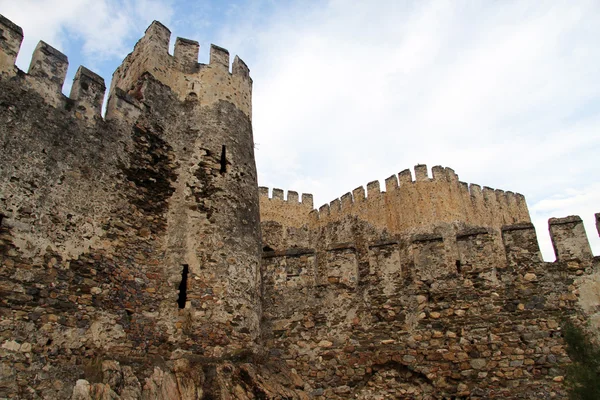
(131, 262)
(130, 246)
(406, 205)
(364, 314)
(205, 83)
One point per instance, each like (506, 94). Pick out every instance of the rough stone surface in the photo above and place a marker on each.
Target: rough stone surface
(139, 259)
(130, 246)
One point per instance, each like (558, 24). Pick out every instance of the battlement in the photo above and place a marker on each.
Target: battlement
(569, 239)
(487, 196)
(290, 209)
(11, 37)
(409, 202)
(47, 72)
(430, 257)
(406, 204)
(190, 80)
(137, 239)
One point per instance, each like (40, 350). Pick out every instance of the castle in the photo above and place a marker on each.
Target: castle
(140, 259)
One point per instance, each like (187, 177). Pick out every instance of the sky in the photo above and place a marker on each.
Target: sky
(507, 93)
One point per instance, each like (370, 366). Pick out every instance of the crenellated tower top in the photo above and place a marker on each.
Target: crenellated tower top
(204, 84)
(188, 79)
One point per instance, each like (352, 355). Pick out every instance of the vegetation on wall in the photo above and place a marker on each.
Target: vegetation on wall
(583, 375)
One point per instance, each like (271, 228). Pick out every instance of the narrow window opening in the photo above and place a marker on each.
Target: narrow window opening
(268, 248)
(181, 300)
(223, 159)
(1, 218)
(458, 266)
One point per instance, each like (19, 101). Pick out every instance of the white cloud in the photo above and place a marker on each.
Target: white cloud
(506, 93)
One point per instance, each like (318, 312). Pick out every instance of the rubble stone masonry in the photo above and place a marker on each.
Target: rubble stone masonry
(140, 259)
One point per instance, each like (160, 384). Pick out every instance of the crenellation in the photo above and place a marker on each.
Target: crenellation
(277, 194)
(202, 85)
(502, 201)
(451, 175)
(359, 194)
(491, 204)
(597, 215)
(324, 211)
(438, 201)
(307, 200)
(476, 193)
(522, 209)
(405, 177)
(439, 174)
(240, 68)
(421, 173)
(391, 184)
(429, 257)
(186, 54)
(521, 246)
(373, 190)
(489, 196)
(88, 93)
(569, 239)
(158, 36)
(49, 64)
(335, 207)
(11, 37)
(219, 56)
(347, 201)
(292, 197)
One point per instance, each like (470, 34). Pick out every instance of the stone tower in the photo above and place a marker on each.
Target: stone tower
(130, 244)
(212, 238)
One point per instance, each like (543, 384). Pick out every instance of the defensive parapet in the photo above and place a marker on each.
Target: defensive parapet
(188, 79)
(11, 37)
(569, 239)
(408, 204)
(398, 302)
(290, 211)
(471, 253)
(47, 72)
